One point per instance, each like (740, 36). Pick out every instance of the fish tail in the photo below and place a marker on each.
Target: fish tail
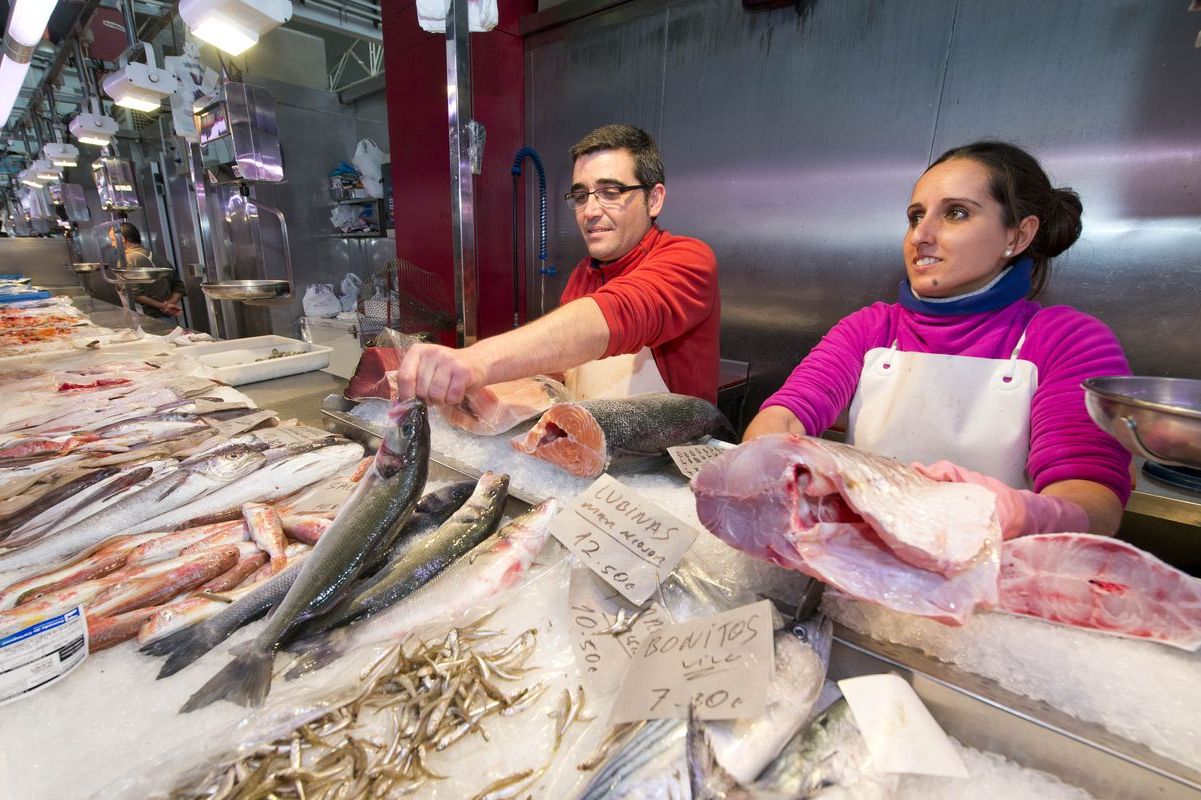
(182, 648)
(246, 681)
(317, 653)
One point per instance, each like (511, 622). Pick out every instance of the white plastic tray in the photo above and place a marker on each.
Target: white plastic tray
(234, 361)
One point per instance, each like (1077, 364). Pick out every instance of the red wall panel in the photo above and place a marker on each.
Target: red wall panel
(415, 68)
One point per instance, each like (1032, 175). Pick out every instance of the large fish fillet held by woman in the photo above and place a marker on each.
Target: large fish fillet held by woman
(1103, 584)
(585, 438)
(867, 524)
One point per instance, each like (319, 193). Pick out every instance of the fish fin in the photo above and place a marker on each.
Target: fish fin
(246, 681)
(182, 648)
(707, 778)
(316, 653)
(174, 481)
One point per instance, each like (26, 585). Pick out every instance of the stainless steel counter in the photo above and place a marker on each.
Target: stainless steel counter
(296, 396)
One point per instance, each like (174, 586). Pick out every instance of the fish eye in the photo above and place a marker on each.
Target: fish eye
(407, 429)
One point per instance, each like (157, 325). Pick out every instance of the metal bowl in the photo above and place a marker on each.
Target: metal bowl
(85, 266)
(1156, 418)
(247, 291)
(135, 277)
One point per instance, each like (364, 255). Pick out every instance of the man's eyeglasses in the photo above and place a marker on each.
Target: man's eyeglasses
(605, 195)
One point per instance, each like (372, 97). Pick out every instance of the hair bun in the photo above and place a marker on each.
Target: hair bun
(1061, 227)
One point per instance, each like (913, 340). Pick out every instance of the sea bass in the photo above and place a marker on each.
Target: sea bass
(378, 507)
(652, 763)
(866, 524)
(276, 479)
(193, 479)
(493, 566)
(502, 406)
(420, 556)
(1103, 584)
(586, 437)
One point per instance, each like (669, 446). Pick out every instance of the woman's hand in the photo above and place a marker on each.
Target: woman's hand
(773, 419)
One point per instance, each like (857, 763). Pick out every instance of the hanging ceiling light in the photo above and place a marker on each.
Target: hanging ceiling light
(233, 25)
(45, 170)
(92, 127)
(142, 87)
(29, 178)
(61, 155)
(26, 25)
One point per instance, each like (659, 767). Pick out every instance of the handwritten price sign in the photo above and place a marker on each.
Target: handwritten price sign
(691, 457)
(719, 664)
(626, 539)
(607, 630)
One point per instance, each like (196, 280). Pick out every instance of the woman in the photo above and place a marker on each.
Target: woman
(966, 369)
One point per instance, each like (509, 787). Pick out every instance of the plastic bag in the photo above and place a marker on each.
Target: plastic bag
(351, 286)
(481, 15)
(320, 301)
(368, 160)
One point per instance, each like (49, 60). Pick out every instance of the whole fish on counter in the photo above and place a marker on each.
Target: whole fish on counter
(274, 480)
(184, 634)
(419, 557)
(867, 524)
(493, 566)
(829, 759)
(194, 478)
(371, 516)
(653, 761)
(586, 437)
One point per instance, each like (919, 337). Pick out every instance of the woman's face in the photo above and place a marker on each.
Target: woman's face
(957, 236)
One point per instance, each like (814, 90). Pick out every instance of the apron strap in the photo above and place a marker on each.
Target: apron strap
(1013, 358)
(892, 351)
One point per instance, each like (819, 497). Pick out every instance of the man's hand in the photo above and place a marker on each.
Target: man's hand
(171, 309)
(438, 375)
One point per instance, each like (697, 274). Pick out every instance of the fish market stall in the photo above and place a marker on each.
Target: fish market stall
(486, 654)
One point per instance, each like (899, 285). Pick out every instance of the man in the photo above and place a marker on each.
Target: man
(640, 314)
(161, 298)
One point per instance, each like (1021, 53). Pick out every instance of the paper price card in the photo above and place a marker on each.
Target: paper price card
(190, 386)
(232, 427)
(719, 664)
(607, 630)
(627, 540)
(325, 498)
(690, 458)
(283, 435)
(41, 654)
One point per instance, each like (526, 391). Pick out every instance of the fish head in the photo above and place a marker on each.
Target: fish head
(817, 632)
(407, 440)
(492, 486)
(451, 496)
(228, 464)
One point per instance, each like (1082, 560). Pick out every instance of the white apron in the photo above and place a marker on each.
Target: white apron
(615, 376)
(923, 407)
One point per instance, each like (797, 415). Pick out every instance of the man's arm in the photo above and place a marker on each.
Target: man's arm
(567, 337)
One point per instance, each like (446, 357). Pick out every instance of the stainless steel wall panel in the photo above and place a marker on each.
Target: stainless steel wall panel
(792, 140)
(1104, 94)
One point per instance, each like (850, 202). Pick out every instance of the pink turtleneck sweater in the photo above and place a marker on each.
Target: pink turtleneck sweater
(1066, 345)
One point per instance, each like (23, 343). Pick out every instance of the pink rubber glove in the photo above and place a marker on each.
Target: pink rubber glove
(1019, 511)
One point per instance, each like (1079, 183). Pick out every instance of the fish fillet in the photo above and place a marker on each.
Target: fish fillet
(1103, 584)
(502, 406)
(864, 523)
(587, 437)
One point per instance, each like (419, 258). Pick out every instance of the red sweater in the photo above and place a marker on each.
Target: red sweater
(663, 295)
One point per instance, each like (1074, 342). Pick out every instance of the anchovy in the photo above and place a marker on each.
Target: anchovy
(375, 511)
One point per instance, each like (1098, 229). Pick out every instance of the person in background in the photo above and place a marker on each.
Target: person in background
(966, 370)
(640, 314)
(161, 298)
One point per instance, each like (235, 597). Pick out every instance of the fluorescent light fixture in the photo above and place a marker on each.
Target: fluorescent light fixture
(142, 87)
(45, 170)
(26, 25)
(233, 25)
(61, 155)
(27, 177)
(92, 127)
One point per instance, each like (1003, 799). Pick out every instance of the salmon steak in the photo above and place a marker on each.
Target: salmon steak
(587, 437)
(868, 525)
(1103, 584)
(502, 406)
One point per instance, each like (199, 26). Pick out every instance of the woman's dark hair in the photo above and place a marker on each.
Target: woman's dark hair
(130, 233)
(1023, 189)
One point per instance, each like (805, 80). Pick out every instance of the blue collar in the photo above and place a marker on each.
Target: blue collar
(1010, 286)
